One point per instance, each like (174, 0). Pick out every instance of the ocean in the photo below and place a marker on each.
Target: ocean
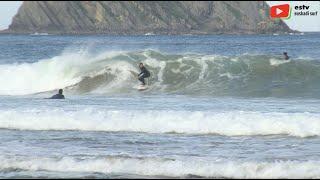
(219, 106)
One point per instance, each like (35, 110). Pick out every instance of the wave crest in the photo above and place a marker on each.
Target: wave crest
(192, 74)
(171, 168)
(233, 123)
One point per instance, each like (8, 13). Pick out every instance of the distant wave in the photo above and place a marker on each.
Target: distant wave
(191, 74)
(167, 167)
(233, 123)
(39, 34)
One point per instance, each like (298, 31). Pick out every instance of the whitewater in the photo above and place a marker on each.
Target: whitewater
(232, 123)
(223, 106)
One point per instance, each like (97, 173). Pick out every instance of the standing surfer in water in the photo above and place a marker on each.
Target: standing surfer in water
(143, 74)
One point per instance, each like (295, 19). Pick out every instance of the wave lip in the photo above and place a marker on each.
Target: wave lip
(232, 123)
(170, 168)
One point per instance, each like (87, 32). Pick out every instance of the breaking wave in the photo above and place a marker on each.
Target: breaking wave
(190, 74)
(167, 167)
(232, 123)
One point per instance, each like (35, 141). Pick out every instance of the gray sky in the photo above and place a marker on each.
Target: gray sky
(7, 10)
(301, 23)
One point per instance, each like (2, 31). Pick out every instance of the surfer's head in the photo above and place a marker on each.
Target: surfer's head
(141, 65)
(60, 91)
(285, 53)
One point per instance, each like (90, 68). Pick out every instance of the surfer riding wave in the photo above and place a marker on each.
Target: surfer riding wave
(143, 74)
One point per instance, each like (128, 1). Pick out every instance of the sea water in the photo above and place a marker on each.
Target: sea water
(223, 106)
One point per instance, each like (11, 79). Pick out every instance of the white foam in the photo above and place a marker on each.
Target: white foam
(277, 62)
(156, 64)
(58, 72)
(232, 123)
(45, 75)
(171, 168)
(122, 80)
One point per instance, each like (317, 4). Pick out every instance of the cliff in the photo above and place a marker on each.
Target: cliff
(141, 17)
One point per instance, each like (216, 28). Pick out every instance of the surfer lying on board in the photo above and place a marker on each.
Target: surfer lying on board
(143, 74)
(58, 96)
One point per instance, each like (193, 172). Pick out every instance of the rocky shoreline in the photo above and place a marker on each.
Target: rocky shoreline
(145, 18)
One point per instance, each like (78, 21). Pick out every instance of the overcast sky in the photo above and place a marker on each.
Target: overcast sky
(7, 10)
(301, 23)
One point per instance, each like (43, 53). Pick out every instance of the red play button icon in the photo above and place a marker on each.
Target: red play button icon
(280, 11)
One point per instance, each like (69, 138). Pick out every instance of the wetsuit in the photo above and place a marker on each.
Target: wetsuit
(143, 74)
(286, 57)
(57, 96)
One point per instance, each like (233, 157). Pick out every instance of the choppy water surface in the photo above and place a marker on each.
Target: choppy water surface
(217, 106)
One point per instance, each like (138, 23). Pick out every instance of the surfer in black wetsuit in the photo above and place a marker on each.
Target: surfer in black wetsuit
(143, 74)
(58, 96)
(286, 57)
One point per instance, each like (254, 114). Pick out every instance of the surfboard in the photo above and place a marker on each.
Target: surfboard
(142, 87)
(277, 62)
